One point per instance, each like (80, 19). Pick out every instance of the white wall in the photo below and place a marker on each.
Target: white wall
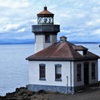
(78, 83)
(91, 81)
(54, 39)
(68, 69)
(50, 73)
(40, 42)
(96, 72)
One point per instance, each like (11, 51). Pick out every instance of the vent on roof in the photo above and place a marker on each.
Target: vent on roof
(63, 39)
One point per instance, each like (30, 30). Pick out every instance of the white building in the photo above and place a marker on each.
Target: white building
(59, 66)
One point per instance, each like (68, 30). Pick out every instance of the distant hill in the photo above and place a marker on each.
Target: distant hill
(85, 42)
(17, 41)
(32, 41)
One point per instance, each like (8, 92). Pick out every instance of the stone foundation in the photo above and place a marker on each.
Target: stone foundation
(61, 89)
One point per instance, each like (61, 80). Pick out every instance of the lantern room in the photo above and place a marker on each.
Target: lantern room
(45, 17)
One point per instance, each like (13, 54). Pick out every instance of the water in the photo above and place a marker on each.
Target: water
(14, 67)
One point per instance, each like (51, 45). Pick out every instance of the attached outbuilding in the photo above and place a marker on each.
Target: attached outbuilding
(62, 67)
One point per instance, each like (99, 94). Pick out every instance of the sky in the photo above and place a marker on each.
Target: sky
(79, 20)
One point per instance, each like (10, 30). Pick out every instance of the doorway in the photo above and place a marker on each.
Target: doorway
(86, 73)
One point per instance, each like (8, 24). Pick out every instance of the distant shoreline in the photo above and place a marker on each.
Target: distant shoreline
(34, 43)
(13, 43)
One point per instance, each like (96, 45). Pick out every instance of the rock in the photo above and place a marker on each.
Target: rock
(17, 89)
(80, 91)
(20, 94)
(42, 92)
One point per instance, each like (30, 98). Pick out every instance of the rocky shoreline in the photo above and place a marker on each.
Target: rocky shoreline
(88, 93)
(20, 94)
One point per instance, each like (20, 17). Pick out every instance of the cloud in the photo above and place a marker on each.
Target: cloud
(21, 30)
(77, 18)
(97, 32)
(14, 4)
(11, 27)
(95, 22)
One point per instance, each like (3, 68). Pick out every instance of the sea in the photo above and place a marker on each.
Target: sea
(14, 66)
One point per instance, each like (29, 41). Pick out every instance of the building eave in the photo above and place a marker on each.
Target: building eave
(62, 59)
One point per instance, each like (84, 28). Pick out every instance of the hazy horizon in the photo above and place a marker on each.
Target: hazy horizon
(32, 41)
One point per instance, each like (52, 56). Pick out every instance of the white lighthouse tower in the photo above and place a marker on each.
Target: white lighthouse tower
(45, 31)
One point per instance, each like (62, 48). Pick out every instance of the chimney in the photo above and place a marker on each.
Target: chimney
(63, 39)
(45, 8)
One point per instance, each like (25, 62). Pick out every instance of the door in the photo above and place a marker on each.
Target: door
(86, 73)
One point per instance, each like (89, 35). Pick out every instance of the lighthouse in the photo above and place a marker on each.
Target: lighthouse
(45, 31)
(59, 66)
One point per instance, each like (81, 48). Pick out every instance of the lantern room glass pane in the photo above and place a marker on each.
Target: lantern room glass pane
(45, 20)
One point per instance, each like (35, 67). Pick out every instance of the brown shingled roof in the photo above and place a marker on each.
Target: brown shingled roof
(61, 51)
(79, 47)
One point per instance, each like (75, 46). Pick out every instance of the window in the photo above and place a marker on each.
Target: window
(42, 71)
(84, 52)
(58, 72)
(47, 38)
(78, 72)
(93, 70)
